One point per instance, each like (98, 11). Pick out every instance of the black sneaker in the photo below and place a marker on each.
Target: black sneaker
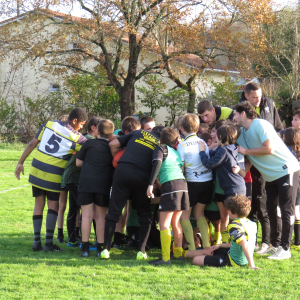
(37, 247)
(60, 239)
(180, 258)
(84, 254)
(159, 262)
(52, 248)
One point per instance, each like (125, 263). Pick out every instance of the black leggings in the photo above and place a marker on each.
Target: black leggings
(73, 209)
(280, 192)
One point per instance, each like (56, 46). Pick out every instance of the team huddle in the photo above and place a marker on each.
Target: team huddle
(212, 170)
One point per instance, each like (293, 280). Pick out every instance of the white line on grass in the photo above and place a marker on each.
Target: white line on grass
(20, 187)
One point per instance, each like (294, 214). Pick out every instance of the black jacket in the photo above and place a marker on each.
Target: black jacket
(268, 111)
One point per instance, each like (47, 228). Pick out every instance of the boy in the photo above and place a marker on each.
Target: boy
(94, 184)
(199, 180)
(58, 140)
(242, 234)
(174, 195)
(147, 123)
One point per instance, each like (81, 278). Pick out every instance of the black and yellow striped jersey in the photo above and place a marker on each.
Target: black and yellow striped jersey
(238, 230)
(58, 140)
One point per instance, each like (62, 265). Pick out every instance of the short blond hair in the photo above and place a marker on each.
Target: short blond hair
(190, 123)
(106, 128)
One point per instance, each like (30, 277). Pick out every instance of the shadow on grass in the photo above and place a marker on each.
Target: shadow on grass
(17, 250)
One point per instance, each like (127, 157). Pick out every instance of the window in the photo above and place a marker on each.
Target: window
(54, 87)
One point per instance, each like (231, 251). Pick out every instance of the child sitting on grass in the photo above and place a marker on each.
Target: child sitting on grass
(242, 233)
(167, 165)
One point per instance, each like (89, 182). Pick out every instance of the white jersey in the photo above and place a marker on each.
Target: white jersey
(189, 152)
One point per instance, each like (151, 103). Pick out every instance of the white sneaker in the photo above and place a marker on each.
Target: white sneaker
(269, 251)
(281, 254)
(262, 249)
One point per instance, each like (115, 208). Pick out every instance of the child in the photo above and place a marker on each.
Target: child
(58, 140)
(296, 119)
(242, 234)
(224, 159)
(199, 180)
(203, 127)
(94, 184)
(291, 138)
(174, 195)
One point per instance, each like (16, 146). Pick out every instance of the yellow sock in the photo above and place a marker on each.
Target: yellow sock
(210, 230)
(178, 251)
(217, 238)
(225, 236)
(188, 233)
(165, 239)
(203, 228)
(184, 253)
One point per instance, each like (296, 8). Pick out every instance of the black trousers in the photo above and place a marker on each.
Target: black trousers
(280, 192)
(73, 209)
(259, 206)
(129, 183)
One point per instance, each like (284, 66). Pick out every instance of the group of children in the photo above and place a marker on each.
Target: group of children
(191, 168)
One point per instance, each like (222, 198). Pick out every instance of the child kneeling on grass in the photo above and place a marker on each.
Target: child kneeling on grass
(242, 233)
(167, 165)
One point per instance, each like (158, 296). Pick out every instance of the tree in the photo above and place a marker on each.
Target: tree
(282, 64)
(151, 97)
(224, 34)
(112, 34)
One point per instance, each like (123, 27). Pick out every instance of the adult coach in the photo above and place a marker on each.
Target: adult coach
(266, 110)
(131, 181)
(279, 168)
(211, 113)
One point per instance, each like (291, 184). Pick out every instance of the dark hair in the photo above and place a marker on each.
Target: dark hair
(248, 108)
(106, 128)
(169, 136)
(203, 106)
(239, 205)
(79, 114)
(292, 139)
(93, 121)
(227, 134)
(296, 112)
(190, 123)
(217, 124)
(204, 126)
(158, 129)
(130, 124)
(251, 86)
(205, 136)
(146, 119)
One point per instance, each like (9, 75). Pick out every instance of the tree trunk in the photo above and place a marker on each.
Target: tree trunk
(126, 105)
(192, 100)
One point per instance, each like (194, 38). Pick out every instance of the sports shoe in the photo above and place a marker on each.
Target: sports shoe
(180, 258)
(118, 247)
(269, 251)
(52, 248)
(256, 248)
(281, 254)
(60, 239)
(105, 254)
(84, 254)
(74, 245)
(140, 255)
(37, 247)
(159, 262)
(92, 247)
(262, 249)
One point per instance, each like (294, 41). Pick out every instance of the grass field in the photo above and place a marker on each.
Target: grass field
(28, 275)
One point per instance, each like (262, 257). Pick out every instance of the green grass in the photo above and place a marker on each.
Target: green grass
(28, 275)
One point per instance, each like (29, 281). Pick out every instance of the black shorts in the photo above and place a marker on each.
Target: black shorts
(64, 188)
(89, 198)
(298, 194)
(219, 259)
(249, 190)
(53, 196)
(212, 215)
(174, 196)
(219, 198)
(200, 192)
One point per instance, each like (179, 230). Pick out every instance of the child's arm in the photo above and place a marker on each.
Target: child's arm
(79, 163)
(214, 161)
(244, 244)
(114, 147)
(30, 147)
